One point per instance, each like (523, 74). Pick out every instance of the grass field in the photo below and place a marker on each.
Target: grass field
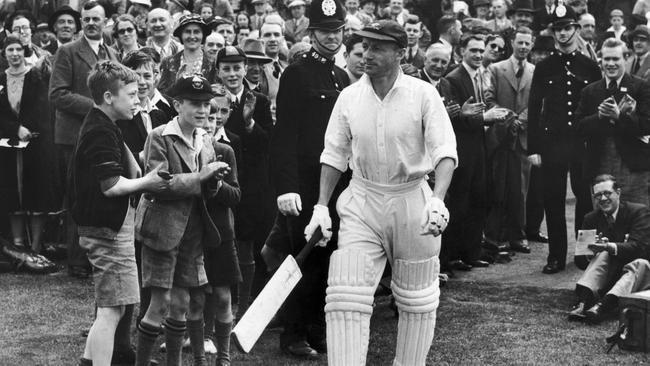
(479, 323)
(507, 314)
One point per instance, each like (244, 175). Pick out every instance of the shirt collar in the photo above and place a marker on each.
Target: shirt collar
(615, 212)
(471, 71)
(235, 97)
(94, 44)
(399, 82)
(618, 81)
(158, 97)
(221, 134)
(174, 129)
(515, 62)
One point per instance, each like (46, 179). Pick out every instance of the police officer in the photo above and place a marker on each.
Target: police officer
(552, 139)
(307, 93)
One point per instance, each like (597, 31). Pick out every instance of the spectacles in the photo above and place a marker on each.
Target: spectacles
(495, 46)
(605, 194)
(124, 31)
(21, 29)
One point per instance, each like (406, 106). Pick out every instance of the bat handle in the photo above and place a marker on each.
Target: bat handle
(300, 258)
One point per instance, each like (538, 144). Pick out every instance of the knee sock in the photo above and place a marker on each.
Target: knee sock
(195, 331)
(147, 335)
(174, 331)
(209, 312)
(222, 340)
(123, 330)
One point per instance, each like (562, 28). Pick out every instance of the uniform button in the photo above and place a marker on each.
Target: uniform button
(568, 82)
(586, 82)
(568, 73)
(568, 92)
(545, 128)
(322, 96)
(570, 113)
(569, 123)
(550, 81)
(568, 63)
(568, 103)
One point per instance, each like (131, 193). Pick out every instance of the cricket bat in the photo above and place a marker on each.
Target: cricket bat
(250, 327)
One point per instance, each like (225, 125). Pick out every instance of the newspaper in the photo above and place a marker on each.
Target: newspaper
(585, 238)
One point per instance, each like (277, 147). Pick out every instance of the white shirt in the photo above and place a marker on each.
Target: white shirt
(391, 141)
(221, 134)
(94, 44)
(195, 146)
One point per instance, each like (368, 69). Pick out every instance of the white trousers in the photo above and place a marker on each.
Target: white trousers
(379, 223)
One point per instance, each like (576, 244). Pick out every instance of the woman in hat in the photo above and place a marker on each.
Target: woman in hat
(125, 32)
(29, 173)
(495, 49)
(192, 32)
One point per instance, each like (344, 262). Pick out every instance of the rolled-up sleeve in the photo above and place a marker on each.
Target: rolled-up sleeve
(439, 134)
(338, 138)
(103, 153)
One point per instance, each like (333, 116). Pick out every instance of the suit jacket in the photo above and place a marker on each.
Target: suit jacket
(294, 31)
(632, 219)
(169, 71)
(443, 87)
(507, 92)
(634, 153)
(235, 144)
(470, 134)
(69, 92)
(417, 60)
(257, 21)
(228, 196)
(161, 219)
(644, 69)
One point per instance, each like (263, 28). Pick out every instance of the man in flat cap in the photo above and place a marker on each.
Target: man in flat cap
(391, 130)
(308, 90)
(296, 27)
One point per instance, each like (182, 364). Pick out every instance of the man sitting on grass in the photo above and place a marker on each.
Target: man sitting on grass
(620, 265)
(104, 174)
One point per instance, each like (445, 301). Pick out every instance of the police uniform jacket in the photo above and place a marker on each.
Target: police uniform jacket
(308, 90)
(554, 96)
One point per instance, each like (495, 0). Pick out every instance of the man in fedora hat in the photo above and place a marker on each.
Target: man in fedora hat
(255, 77)
(553, 143)
(308, 90)
(65, 23)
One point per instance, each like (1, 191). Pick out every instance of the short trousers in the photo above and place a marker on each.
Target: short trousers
(221, 264)
(115, 273)
(181, 266)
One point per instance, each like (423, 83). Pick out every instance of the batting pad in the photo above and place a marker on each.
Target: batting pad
(350, 294)
(416, 291)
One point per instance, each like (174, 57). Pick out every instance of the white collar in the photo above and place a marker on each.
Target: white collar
(94, 43)
(471, 71)
(157, 97)
(618, 81)
(431, 79)
(236, 97)
(221, 134)
(174, 128)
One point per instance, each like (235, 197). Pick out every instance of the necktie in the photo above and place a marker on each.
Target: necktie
(276, 69)
(635, 65)
(611, 87)
(520, 70)
(610, 223)
(101, 53)
(478, 80)
(235, 104)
